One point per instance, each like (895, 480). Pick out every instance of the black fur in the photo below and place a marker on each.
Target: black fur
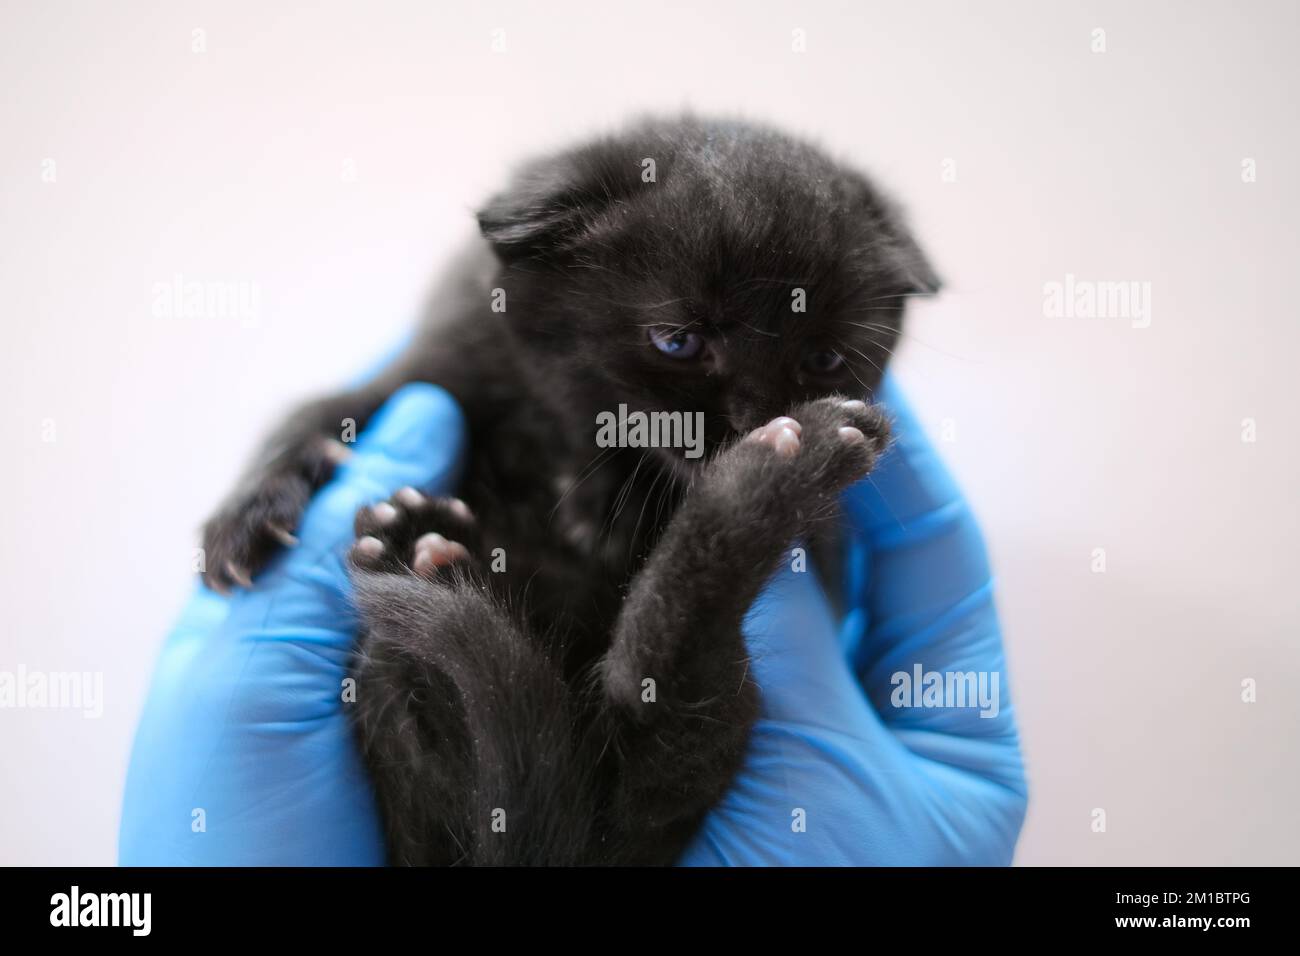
(520, 691)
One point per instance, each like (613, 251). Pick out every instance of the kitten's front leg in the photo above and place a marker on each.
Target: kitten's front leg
(680, 626)
(262, 512)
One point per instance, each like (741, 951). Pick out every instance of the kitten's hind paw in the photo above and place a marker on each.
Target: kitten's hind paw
(412, 533)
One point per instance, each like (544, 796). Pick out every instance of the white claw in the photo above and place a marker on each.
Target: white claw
(284, 537)
(238, 575)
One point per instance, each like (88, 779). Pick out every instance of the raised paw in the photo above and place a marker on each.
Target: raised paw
(831, 441)
(782, 434)
(414, 533)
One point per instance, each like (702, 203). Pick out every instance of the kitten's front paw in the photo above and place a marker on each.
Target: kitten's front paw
(262, 513)
(828, 443)
(240, 538)
(412, 533)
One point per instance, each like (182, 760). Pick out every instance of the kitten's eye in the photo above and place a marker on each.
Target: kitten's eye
(823, 362)
(675, 343)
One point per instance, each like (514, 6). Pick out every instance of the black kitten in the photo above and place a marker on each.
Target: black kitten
(552, 669)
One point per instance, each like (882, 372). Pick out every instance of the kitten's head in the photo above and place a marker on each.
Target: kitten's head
(697, 266)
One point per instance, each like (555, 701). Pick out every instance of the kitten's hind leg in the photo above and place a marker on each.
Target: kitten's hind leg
(416, 746)
(466, 723)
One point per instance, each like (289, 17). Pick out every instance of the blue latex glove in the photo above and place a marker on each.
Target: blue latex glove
(836, 773)
(244, 721)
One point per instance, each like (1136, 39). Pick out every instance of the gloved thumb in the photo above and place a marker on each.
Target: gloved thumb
(796, 658)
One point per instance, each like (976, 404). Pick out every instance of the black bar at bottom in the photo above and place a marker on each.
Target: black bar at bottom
(330, 905)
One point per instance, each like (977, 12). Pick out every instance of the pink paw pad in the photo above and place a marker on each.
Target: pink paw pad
(782, 434)
(433, 551)
(368, 548)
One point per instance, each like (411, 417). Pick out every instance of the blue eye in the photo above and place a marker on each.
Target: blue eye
(675, 343)
(823, 362)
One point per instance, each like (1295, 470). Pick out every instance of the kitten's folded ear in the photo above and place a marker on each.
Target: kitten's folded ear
(912, 266)
(550, 203)
(893, 249)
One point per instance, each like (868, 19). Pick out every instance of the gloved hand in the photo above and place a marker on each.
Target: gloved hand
(837, 772)
(244, 754)
(244, 722)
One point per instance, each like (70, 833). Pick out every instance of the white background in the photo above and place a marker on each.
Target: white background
(1070, 434)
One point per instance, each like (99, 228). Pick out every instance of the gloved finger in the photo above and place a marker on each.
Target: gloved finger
(202, 614)
(815, 723)
(824, 781)
(810, 696)
(923, 632)
(795, 656)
